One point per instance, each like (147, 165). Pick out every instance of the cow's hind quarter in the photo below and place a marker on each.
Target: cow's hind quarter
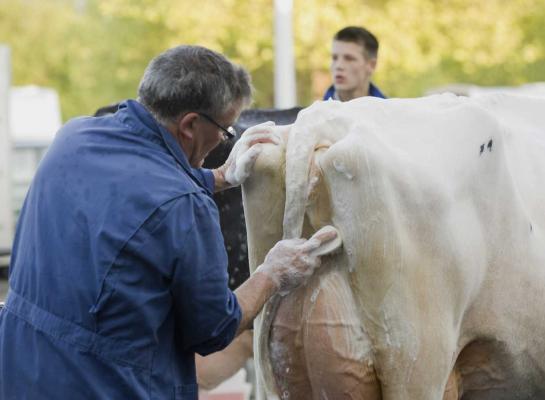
(319, 348)
(318, 345)
(393, 276)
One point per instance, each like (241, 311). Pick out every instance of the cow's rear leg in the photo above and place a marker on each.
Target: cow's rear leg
(286, 350)
(337, 351)
(451, 390)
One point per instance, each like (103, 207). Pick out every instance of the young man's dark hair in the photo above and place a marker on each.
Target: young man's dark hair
(361, 36)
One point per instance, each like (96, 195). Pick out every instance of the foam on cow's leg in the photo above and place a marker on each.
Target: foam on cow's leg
(337, 350)
(317, 345)
(286, 349)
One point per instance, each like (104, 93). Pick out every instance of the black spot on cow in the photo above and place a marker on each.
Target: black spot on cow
(229, 202)
(482, 149)
(489, 145)
(531, 228)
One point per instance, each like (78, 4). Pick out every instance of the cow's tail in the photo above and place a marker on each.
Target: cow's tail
(299, 151)
(316, 124)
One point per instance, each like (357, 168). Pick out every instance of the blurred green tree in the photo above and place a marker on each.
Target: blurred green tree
(94, 51)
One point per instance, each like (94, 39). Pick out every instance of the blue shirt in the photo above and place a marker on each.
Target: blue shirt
(373, 91)
(118, 272)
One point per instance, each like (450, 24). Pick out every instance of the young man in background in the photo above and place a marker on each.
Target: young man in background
(353, 61)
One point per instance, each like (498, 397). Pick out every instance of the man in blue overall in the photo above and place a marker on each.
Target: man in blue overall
(118, 273)
(354, 56)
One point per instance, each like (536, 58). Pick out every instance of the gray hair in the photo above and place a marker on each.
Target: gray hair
(192, 78)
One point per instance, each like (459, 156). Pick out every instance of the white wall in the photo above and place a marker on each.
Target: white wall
(30, 136)
(6, 215)
(29, 119)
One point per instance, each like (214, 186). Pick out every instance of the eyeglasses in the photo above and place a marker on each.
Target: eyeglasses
(228, 133)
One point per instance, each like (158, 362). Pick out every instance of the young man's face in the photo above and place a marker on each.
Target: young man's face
(351, 70)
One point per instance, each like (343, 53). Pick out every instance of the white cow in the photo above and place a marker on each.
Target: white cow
(438, 291)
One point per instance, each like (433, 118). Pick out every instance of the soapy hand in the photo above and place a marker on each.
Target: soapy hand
(292, 261)
(241, 160)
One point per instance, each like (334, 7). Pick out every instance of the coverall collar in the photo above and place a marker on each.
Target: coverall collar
(150, 126)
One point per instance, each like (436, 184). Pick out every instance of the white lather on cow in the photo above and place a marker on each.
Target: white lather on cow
(437, 292)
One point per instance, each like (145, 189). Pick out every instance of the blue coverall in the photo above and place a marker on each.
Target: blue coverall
(373, 91)
(118, 272)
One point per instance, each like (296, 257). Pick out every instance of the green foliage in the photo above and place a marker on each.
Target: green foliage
(94, 51)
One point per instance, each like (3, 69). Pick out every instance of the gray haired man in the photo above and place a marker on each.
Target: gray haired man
(119, 273)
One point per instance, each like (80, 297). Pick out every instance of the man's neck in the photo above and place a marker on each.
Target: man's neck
(346, 95)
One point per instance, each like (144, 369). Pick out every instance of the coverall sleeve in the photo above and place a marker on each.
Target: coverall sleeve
(207, 311)
(206, 177)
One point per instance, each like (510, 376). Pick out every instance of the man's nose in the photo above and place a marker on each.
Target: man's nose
(338, 64)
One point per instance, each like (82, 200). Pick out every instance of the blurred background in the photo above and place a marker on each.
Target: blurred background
(93, 52)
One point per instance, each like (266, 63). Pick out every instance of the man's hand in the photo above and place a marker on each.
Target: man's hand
(241, 160)
(287, 265)
(291, 262)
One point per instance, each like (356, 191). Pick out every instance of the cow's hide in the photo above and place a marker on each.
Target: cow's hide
(437, 292)
(465, 89)
(229, 202)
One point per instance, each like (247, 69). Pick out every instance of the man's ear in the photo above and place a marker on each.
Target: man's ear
(186, 125)
(372, 65)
